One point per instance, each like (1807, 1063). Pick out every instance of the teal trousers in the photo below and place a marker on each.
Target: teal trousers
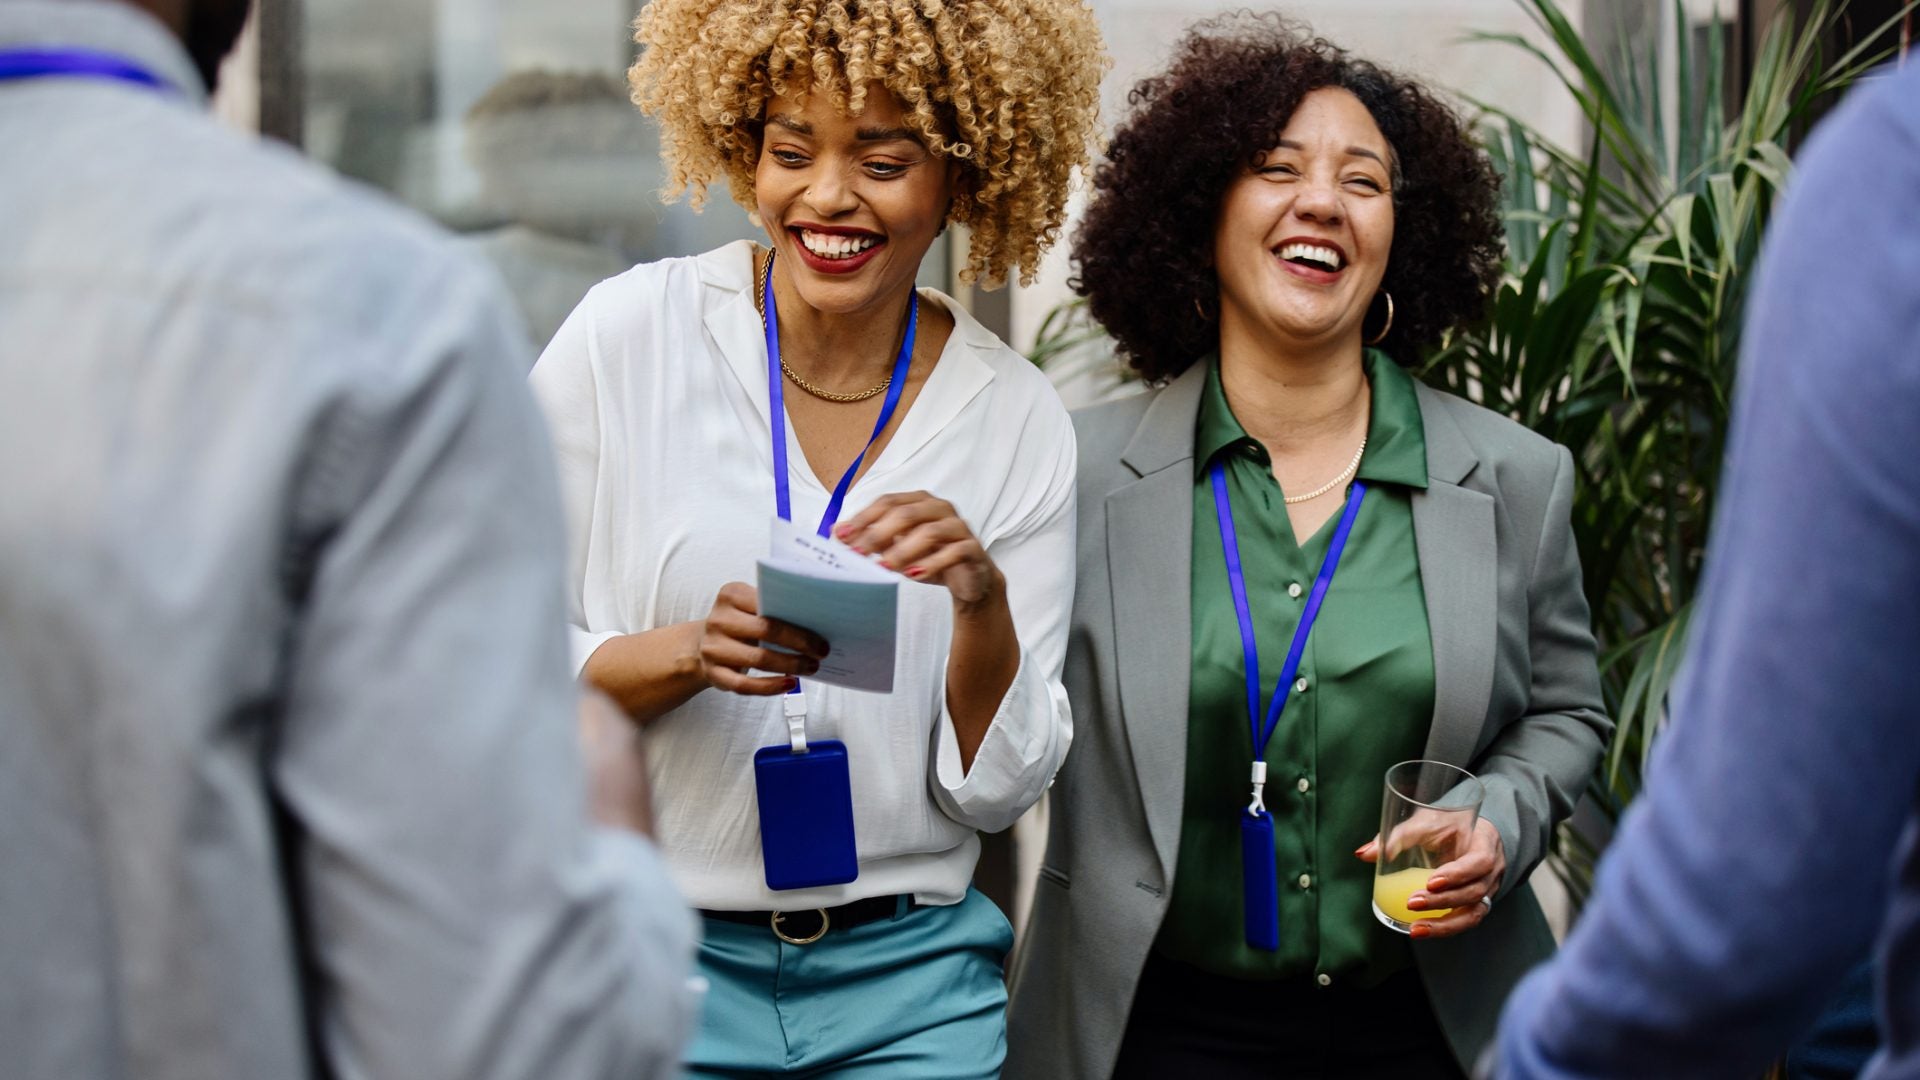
(920, 996)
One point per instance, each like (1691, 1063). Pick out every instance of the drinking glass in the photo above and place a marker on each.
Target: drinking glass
(1426, 820)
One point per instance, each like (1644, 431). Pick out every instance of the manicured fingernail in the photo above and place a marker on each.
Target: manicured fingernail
(1361, 850)
(1418, 931)
(1437, 884)
(1417, 902)
(916, 571)
(843, 530)
(792, 684)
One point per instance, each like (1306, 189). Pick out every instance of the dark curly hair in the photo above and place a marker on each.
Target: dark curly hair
(1233, 85)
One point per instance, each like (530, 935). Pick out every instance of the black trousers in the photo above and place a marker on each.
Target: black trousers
(1189, 1024)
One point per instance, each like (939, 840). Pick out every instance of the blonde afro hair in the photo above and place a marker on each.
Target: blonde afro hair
(1008, 87)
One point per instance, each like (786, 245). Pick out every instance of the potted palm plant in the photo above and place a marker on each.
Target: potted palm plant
(1617, 331)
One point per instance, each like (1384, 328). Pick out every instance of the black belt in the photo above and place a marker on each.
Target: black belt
(808, 925)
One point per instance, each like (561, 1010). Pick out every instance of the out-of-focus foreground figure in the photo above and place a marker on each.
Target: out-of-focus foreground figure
(290, 781)
(1779, 838)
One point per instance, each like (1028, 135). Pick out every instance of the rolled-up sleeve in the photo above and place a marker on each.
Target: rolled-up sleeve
(1030, 732)
(464, 917)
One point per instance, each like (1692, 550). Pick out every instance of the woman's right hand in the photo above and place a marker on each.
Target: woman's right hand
(735, 638)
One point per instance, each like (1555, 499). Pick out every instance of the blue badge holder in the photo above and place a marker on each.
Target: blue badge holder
(806, 815)
(1260, 872)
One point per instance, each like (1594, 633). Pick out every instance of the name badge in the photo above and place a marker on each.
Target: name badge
(1260, 871)
(806, 815)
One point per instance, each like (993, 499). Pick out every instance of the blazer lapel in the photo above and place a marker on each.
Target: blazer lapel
(1453, 528)
(1149, 555)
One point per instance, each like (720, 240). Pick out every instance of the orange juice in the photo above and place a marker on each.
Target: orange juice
(1390, 893)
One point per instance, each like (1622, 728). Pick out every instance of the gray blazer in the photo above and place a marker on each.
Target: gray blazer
(1516, 700)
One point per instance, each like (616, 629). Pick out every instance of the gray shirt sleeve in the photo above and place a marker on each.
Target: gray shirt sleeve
(462, 916)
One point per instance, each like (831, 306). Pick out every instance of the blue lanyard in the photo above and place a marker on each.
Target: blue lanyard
(75, 64)
(1236, 577)
(777, 406)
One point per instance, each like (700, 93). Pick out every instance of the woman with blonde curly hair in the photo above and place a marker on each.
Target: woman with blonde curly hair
(693, 398)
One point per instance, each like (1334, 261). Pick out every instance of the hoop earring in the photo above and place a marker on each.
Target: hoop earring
(1381, 336)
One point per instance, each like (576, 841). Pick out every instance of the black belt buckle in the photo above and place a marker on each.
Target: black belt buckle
(799, 936)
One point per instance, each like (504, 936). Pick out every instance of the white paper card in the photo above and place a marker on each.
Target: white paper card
(822, 585)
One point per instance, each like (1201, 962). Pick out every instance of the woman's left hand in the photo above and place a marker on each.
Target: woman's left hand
(923, 537)
(1466, 885)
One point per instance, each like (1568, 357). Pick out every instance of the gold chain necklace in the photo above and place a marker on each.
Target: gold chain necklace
(759, 305)
(1352, 467)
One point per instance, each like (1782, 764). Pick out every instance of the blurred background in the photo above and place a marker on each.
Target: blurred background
(507, 119)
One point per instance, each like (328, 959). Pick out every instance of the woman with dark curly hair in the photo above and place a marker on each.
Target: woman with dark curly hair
(693, 400)
(1277, 228)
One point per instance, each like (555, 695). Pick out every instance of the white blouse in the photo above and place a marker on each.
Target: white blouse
(656, 389)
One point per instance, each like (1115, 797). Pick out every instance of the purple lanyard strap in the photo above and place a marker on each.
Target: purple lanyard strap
(777, 408)
(1236, 578)
(74, 63)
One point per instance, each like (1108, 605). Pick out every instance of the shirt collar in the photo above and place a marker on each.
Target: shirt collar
(1216, 429)
(109, 26)
(1396, 437)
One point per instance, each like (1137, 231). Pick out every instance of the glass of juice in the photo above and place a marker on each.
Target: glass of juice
(1426, 820)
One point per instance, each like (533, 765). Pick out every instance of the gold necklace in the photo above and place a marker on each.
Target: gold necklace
(1352, 467)
(759, 305)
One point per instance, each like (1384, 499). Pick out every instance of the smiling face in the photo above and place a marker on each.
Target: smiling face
(1303, 234)
(851, 204)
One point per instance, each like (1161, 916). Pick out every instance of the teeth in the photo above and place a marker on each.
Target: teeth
(1325, 256)
(829, 246)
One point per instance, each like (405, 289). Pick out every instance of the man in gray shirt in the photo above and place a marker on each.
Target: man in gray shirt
(290, 778)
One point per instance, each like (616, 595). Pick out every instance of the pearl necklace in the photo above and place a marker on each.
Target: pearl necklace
(766, 278)
(1346, 473)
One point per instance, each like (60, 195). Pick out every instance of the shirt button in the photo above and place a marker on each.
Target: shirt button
(1306, 881)
(1323, 979)
(1294, 590)
(1303, 785)
(1300, 685)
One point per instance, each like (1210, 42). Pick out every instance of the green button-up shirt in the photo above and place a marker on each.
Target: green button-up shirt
(1363, 700)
